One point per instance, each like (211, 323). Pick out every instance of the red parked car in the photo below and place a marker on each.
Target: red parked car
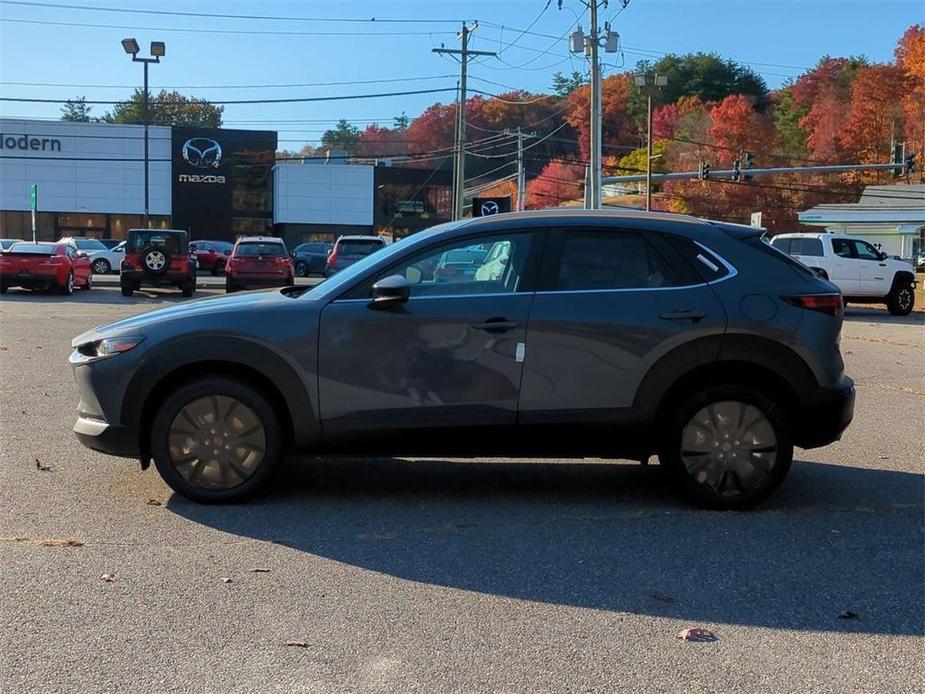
(258, 261)
(45, 266)
(211, 255)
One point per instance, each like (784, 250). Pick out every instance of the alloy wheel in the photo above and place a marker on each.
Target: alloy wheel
(155, 260)
(905, 298)
(101, 267)
(216, 442)
(729, 447)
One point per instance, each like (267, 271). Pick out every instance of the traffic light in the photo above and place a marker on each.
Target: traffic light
(704, 172)
(910, 164)
(747, 164)
(736, 171)
(898, 159)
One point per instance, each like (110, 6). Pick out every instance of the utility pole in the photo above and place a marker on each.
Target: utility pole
(595, 111)
(521, 171)
(659, 82)
(460, 168)
(591, 43)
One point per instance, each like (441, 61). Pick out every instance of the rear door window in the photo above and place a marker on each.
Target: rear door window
(806, 246)
(594, 259)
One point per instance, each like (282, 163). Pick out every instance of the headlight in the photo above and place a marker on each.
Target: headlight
(100, 349)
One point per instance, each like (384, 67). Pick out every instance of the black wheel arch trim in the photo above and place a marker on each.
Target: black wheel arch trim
(159, 364)
(714, 351)
(903, 277)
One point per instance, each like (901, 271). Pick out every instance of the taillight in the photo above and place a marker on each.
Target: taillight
(832, 304)
(332, 258)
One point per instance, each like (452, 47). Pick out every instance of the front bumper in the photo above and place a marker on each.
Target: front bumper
(824, 417)
(107, 438)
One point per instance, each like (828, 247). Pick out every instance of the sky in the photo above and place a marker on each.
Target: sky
(52, 50)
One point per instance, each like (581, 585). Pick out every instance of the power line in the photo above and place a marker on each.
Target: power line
(176, 13)
(236, 86)
(245, 32)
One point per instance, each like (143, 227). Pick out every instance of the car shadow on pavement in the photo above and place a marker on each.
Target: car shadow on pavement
(870, 314)
(151, 297)
(609, 537)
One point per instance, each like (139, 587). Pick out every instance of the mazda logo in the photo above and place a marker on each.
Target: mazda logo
(490, 207)
(202, 152)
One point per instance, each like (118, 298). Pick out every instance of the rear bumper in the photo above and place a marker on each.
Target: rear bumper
(29, 280)
(255, 281)
(134, 277)
(825, 416)
(106, 438)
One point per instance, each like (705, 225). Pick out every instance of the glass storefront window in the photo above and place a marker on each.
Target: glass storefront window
(119, 224)
(18, 225)
(80, 220)
(250, 226)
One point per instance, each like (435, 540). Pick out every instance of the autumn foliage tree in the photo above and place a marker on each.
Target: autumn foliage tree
(557, 183)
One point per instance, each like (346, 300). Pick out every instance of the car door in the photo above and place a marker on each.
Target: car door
(609, 303)
(844, 270)
(448, 357)
(872, 276)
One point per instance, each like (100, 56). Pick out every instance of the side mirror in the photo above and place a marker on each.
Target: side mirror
(82, 254)
(883, 256)
(390, 290)
(330, 251)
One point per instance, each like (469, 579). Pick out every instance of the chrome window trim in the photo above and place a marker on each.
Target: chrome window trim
(437, 296)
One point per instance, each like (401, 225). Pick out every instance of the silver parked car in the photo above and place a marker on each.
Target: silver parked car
(614, 334)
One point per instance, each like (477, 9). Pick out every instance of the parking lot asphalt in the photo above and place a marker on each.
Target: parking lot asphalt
(454, 575)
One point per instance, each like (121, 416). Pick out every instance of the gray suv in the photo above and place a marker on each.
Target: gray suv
(608, 334)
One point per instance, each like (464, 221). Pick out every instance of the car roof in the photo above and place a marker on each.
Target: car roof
(160, 231)
(260, 239)
(360, 237)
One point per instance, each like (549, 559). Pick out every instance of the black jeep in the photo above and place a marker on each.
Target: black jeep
(156, 258)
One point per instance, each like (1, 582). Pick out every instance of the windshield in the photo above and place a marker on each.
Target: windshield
(139, 240)
(90, 245)
(349, 275)
(358, 246)
(255, 249)
(40, 248)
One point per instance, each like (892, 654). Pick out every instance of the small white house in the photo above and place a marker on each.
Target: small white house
(890, 217)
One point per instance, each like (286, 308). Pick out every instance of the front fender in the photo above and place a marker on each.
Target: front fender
(287, 377)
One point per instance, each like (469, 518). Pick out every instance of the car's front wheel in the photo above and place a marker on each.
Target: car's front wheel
(727, 447)
(901, 300)
(301, 269)
(101, 266)
(215, 440)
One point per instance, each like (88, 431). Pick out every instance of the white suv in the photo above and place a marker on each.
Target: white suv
(860, 271)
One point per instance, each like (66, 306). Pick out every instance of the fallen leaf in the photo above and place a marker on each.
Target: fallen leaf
(225, 579)
(848, 614)
(109, 578)
(153, 502)
(61, 543)
(3, 348)
(260, 571)
(40, 467)
(697, 634)
(296, 644)
(661, 597)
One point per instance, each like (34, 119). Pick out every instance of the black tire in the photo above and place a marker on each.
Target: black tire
(101, 266)
(219, 268)
(230, 287)
(213, 389)
(156, 253)
(302, 269)
(747, 493)
(901, 299)
(127, 289)
(188, 288)
(68, 287)
(3, 289)
(89, 283)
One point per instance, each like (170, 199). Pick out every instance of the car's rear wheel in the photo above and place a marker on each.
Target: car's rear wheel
(127, 289)
(68, 287)
(215, 440)
(901, 300)
(728, 447)
(187, 288)
(218, 268)
(230, 287)
(89, 283)
(101, 266)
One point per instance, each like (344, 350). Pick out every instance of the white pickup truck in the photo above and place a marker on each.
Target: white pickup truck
(860, 271)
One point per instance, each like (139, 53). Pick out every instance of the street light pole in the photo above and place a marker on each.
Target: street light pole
(158, 50)
(649, 152)
(595, 110)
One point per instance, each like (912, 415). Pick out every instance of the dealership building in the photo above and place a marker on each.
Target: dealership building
(217, 184)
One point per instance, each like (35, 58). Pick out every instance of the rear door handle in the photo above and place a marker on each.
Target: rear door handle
(687, 314)
(496, 325)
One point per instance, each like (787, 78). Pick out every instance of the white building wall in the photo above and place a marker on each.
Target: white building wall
(98, 168)
(318, 194)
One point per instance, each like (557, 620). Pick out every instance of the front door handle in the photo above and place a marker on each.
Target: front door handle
(686, 314)
(496, 325)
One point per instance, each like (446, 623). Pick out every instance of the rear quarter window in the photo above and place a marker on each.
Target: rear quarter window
(704, 262)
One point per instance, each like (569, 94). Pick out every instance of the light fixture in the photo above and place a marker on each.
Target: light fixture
(158, 49)
(131, 46)
(661, 80)
(639, 80)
